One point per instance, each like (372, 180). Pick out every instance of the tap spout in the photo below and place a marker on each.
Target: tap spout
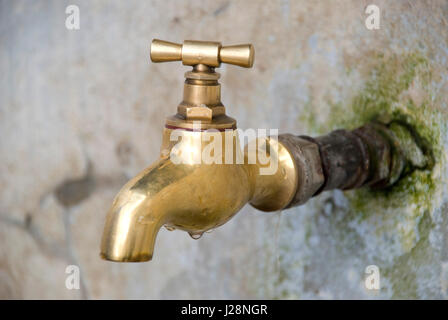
(186, 196)
(138, 212)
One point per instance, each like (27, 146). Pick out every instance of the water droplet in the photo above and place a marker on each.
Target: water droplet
(195, 236)
(170, 228)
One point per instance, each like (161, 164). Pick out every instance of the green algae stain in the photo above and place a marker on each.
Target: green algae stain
(404, 272)
(384, 97)
(388, 96)
(383, 92)
(399, 88)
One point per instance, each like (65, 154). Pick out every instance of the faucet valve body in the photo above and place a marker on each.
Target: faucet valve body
(201, 104)
(187, 196)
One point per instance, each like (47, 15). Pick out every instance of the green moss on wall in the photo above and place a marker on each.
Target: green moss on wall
(399, 87)
(388, 95)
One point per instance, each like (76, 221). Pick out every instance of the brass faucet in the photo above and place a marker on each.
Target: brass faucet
(178, 191)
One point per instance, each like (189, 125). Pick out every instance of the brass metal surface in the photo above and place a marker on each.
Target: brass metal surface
(190, 195)
(201, 104)
(186, 196)
(241, 55)
(273, 191)
(202, 52)
(164, 51)
(184, 191)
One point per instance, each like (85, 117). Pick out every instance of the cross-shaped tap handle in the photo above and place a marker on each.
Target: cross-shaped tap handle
(202, 52)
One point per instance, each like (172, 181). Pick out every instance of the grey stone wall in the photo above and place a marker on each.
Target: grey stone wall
(83, 111)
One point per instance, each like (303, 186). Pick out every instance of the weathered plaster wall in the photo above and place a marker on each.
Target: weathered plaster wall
(83, 111)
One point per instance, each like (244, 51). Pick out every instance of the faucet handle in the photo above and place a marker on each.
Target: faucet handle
(202, 52)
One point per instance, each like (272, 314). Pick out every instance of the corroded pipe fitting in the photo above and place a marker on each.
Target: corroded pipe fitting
(372, 155)
(306, 156)
(345, 160)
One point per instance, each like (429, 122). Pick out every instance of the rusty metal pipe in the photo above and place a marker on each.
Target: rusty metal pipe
(371, 155)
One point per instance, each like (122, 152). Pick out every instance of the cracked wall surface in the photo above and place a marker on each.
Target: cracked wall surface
(81, 112)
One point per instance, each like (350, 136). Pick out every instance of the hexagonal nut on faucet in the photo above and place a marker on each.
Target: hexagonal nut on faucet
(201, 112)
(310, 176)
